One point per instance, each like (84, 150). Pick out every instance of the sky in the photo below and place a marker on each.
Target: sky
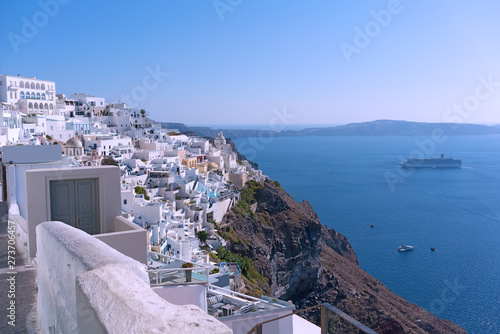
(265, 62)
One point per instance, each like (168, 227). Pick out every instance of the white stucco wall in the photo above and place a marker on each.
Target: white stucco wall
(85, 286)
(242, 324)
(220, 208)
(184, 295)
(38, 195)
(130, 243)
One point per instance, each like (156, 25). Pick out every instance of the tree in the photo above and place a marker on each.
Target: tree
(143, 113)
(109, 161)
(202, 235)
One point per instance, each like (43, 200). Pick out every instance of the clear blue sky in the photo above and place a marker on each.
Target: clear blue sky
(265, 55)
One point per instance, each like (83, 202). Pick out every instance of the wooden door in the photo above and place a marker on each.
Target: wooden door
(76, 203)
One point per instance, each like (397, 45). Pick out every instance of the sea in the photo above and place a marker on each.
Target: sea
(355, 182)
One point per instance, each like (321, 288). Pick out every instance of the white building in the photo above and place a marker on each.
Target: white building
(29, 95)
(104, 144)
(89, 100)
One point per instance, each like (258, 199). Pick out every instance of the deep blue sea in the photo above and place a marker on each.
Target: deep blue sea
(457, 211)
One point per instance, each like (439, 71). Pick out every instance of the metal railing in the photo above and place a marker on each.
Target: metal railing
(176, 275)
(328, 323)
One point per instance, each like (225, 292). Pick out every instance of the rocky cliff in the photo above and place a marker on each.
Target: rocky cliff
(307, 263)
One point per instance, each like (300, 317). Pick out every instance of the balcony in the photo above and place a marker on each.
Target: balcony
(167, 270)
(223, 303)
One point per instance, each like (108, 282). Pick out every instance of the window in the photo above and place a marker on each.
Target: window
(10, 94)
(32, 130)
(43, 96)
(38, 96)
(32, 85)
(21, 84)
(37, 86)
(21, 95)
(32, 95)
(124, 201)
(43, 87)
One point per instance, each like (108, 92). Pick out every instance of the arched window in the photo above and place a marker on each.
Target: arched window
(43, 96)
(37, 85)
(36, 105)
(32, 95)
(38, 96)
(32, 85)
(46, 106)
(51, 107)
(21, 95)
(43, 86)
(27, 84)
(21, 84)
(30, 105)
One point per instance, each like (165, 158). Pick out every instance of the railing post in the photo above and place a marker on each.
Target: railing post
(259, 329)
(324, 320)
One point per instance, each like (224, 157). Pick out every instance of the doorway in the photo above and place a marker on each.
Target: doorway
(76, 203)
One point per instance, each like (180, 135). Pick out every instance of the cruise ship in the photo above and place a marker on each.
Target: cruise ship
(441, 162)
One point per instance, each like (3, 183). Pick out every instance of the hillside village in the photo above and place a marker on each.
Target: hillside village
(153, 194)
(174, 186)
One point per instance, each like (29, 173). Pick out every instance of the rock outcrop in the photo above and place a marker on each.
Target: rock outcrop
(307, 263)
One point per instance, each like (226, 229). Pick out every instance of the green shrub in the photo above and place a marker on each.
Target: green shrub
(246, 264)
(141, 190)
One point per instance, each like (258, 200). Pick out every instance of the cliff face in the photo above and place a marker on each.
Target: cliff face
(307, 263)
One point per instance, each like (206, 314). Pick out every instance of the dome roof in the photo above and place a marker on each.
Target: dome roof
(220, 135)
(74, 142)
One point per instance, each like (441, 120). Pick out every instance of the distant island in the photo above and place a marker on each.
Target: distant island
(373, 128)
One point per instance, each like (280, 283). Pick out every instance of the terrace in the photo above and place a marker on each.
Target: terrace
(167, 270)
(226, 303)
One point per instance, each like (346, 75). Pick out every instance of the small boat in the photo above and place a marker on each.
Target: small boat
(433, 249)
(404, 248)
